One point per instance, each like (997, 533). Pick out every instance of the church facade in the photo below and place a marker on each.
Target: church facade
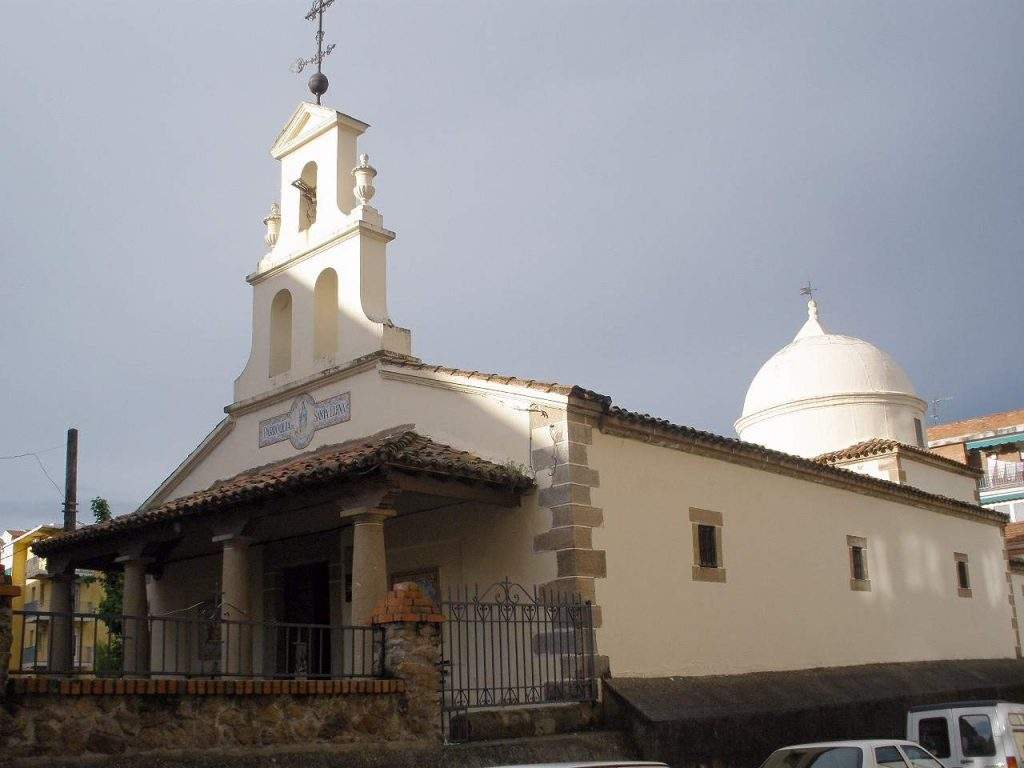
(346, 464)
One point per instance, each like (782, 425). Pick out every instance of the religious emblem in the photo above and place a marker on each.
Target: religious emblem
(304, 418)
(318, 82)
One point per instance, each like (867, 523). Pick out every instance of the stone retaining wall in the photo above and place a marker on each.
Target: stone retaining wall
(54, 724)
(41, 718)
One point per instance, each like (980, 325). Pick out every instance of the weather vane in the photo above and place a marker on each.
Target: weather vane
(318, 82)
(808, 290)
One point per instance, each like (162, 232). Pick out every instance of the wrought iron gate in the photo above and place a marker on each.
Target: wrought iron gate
(509, 646)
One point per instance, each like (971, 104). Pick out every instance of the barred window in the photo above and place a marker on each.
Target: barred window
(708, 562)
(860, 580)
(707, 546)
(963, 574)
(860, 570)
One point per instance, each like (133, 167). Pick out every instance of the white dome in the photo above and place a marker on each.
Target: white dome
(824, 391)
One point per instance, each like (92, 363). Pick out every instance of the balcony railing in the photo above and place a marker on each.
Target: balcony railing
(1004, 475)
(35, 567)
(111, 645)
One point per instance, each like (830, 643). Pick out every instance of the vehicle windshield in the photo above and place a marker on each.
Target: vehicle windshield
(815, 757)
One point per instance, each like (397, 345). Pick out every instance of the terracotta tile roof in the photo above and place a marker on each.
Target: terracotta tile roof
(1014, 535)
(750, 451)
(877, 447)
(758, 455)
(403, 451)
(979, 424)
(570, 390)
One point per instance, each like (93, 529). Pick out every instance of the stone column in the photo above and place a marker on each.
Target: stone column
(236, 607)
(369, 564)
(136, 615)
(60, 651)
(412, 652)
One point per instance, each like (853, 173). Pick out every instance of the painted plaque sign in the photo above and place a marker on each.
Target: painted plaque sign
(304, 418)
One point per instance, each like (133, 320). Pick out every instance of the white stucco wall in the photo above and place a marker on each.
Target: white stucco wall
(811, 428)
(944, 482)
(786, 602)
(472, 545)
(919, 474)
(493, 426)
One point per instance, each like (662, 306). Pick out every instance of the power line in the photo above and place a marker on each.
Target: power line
(30, 453)
(40, 463)
(35, 455)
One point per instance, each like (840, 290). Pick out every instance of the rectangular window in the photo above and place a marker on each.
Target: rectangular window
(963, 575)
(976, 736)
(889, 757)
(706, 529)
(858, 549)
(860, 570)
(919, 758)
(933, 735)
(920, 433)
(707, 549)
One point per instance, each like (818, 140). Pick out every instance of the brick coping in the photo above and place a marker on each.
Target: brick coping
(166, 687)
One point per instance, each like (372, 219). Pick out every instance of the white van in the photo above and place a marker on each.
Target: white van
(970, 734)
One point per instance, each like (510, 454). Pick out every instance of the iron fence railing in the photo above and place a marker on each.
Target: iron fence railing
(1004, 475)
(511, 646)
(115, 645)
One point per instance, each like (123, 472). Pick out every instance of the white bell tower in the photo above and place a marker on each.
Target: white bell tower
(320, 294)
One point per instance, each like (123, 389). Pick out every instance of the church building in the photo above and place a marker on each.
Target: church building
(825, 536)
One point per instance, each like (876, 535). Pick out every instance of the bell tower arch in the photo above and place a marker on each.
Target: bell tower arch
(320, 293)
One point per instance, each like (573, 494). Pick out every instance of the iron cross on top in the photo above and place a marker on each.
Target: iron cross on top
(318, 82)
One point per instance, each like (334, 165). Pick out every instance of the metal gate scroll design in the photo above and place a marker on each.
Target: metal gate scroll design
(510, 646)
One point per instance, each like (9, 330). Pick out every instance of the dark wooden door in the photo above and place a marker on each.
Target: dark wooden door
(304, 642)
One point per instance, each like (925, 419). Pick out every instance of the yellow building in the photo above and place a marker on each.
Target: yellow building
(31, 631)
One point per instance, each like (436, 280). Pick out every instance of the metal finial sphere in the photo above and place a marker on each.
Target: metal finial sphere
(318, 84)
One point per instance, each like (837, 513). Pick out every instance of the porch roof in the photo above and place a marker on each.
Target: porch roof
(404, 452)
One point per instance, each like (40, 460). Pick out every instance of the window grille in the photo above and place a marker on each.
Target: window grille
(708, 547)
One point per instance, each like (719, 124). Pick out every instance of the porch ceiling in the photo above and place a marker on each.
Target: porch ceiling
(416, 472)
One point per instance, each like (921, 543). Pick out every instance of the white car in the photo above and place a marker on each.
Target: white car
(972, 734)
(872, 753)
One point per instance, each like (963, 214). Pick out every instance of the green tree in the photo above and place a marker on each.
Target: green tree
(111, 607)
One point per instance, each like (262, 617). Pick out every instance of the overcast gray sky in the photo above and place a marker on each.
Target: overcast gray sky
(625, 195)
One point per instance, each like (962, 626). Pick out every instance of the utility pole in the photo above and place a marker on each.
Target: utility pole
(71, 482)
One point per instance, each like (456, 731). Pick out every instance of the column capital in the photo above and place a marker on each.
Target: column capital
(232, 539)
(59, 568)
(367, 515)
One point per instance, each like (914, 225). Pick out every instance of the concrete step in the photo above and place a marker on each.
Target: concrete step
(492, 724)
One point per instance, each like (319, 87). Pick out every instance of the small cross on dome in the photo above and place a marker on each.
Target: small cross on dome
(812, 305)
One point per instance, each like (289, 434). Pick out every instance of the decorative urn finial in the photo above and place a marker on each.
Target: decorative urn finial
(273, 223)
(364, 173)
